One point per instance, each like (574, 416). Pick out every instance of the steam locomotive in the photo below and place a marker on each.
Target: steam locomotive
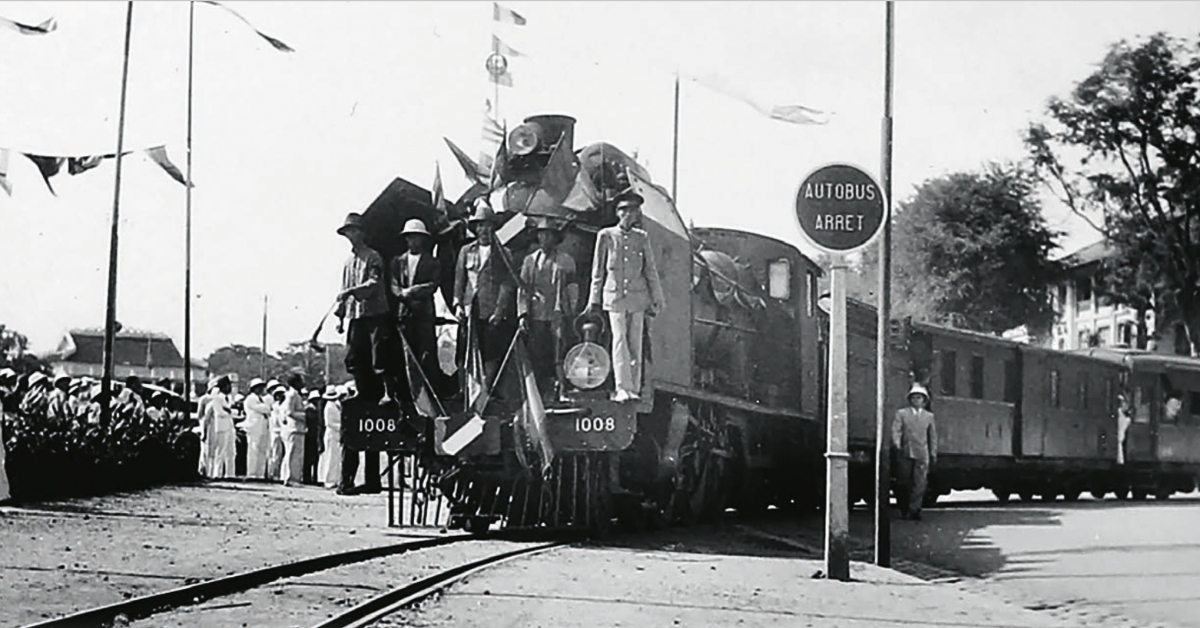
(731, 413)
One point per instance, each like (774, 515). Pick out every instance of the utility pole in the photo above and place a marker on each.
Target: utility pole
(110, 314)
(675, 149)
(837, 504)
(883, 524)
(262, 362)
(187, 264)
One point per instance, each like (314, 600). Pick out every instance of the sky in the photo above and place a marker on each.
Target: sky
(285, 144)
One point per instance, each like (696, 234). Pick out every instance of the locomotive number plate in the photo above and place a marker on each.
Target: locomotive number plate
(598, 425)
(370, 427)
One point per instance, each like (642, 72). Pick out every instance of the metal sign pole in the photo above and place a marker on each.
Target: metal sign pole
(837, 503)
(883, 525)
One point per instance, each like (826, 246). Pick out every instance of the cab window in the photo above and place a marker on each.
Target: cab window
(779, 279)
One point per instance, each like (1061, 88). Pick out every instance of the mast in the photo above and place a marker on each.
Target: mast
(110, 314)
(187, 264)
(675, 149)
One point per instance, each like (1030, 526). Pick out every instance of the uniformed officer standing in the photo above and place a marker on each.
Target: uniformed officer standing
(914, 442)
(625, 282)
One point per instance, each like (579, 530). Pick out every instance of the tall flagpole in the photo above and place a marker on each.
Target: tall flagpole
(262, 363)
(187, 264)
(883, 530)
(110, 315)
(675, 149)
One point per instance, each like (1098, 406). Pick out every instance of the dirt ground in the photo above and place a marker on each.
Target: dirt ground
(61, 557)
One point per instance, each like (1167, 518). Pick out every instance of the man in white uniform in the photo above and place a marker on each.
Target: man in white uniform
(218, 432)
(293, 432)
(275, 421)
(329, 469)
(258, 429)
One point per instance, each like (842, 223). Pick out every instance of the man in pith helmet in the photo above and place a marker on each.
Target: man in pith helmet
(914, 443)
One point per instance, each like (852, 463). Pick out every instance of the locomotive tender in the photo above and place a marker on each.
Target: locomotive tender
(732, 409)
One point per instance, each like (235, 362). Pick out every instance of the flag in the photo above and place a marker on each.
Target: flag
(557, 180)
(530, 419)
(470, 168)
(158, 155)
(500, 47)
(439, 195)
(505, 15)
(504, 79)
(25, 29)
(48, 166)
(500, 163)
(583, 195)
(77, 165)
(4, 183)
(277, 44)
(795, 114)
(492, 131)
(424, 398)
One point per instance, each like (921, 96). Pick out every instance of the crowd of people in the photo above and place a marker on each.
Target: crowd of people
(60, 397)
(292, 434)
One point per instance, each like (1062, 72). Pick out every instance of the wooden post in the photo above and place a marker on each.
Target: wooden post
(883, 525)
(110, 314)
(837, 506)
(675, 149)
(187, 255)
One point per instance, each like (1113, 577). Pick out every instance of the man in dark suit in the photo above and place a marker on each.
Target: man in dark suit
(415, 277)
(485, 289)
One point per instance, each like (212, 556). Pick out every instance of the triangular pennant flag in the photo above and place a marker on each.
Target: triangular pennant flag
(583, 195)
(76, 165)
(531, 417)
(25, 29)
(4, 183)
(470, 168)
(277, 44)
(557, 180)
(500, 165)
(798, 114)
(424, 399)
(505, 15)
(500, 47)
(795, 114)
(439, 195)
(158, 155)
(492, 131)
(48, 166)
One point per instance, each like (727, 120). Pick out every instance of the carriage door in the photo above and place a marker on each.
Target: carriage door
(1140, 439)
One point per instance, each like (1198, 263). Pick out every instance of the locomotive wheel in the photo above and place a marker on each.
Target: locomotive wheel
(1026, 496)
(1098, 494)
(1071, 496)
(1048, 497)
(1162, 494)
(1001, 496)
(1139, 494)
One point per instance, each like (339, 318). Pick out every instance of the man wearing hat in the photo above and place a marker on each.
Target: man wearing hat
(278, 417)
(626, 284)
(36, 395)
(415, 277)
(294, 429)
(546, 296)
(914, 445)
(485, 281)
(370, 335)
(314, 425)
(58, 404)
(329, 468)
(131, 399)
(8, 379)
(217, 434)
(258, 429)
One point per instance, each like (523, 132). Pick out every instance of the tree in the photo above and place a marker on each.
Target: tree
(14, 352)
(972, 250)
(1121, 152)
(249, 362)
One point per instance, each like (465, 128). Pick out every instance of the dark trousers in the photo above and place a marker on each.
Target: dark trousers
(420, 333)
(350, 469)
(545, 353)
(312, 445)
(372, 353)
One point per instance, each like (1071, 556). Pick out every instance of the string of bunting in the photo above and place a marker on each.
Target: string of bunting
(52, 165)
(29, 29)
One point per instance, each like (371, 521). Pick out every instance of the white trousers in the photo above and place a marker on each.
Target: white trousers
(258, 442)
(274, 455)
(329, 467)
(222, 453)
(627, 329)
(293, 457)
(4, 490)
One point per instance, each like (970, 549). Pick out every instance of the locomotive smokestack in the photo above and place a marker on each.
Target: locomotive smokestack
(556, 126)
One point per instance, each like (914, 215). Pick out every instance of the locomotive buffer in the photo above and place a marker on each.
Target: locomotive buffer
(840, 209)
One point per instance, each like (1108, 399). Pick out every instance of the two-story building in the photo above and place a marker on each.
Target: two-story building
(1087, 317)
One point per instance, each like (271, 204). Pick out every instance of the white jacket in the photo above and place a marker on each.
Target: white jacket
(258, 409)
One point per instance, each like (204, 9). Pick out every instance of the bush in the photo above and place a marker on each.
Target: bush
(49, 459)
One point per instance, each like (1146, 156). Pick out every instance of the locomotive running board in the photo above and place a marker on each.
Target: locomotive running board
(729, 401)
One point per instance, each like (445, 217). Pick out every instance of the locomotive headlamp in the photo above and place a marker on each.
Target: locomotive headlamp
(524, 139)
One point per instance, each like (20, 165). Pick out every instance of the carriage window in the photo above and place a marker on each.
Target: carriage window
(779, 279)
(949, 370)
(1055, 401)
(1110, 397)
(1083, 391)
(1012, 382)
(1143, 395)
(977, 377)
(1194, 406)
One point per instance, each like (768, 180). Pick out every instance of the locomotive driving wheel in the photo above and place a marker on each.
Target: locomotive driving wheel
(698, 487)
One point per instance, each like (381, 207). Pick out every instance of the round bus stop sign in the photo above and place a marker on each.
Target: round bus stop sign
(840, 207)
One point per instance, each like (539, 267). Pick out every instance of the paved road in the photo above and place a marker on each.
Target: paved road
(1139, 560)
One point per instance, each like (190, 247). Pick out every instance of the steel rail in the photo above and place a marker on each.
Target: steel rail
(189, 595)
(388, 603)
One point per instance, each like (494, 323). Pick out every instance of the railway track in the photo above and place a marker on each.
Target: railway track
(189, 601)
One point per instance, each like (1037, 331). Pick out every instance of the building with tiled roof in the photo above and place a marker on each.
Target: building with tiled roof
(149, 355)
